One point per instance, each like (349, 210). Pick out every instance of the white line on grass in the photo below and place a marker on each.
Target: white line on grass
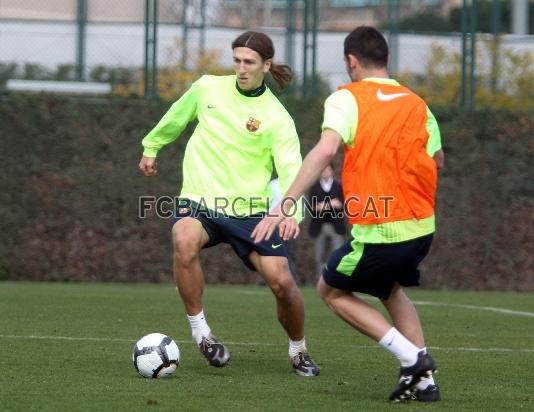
(474, 307)
(66, 338)
(459, 349)
(463, 349)
(90, 339)
(427, 303)
(462, 306)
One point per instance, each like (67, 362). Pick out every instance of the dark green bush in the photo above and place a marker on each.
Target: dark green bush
(70, 187)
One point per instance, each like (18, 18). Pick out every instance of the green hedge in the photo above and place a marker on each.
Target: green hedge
(70, 187)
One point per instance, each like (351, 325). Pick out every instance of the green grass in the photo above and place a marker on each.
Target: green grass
(486, 358)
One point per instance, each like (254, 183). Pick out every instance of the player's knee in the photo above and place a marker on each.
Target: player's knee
(185, 248)
(325, 291)
(283, 287)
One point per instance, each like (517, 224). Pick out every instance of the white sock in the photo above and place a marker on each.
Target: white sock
(424, 382)
(199, 326)
(402, 348)
(296, 346)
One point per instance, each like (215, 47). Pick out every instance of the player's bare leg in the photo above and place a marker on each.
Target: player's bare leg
(188, 238)
(404, 316)
(353, 310)
(406, 320)
(290, 308)
(415, 364)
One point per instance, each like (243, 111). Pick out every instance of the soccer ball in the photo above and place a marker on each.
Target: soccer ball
(156, 356)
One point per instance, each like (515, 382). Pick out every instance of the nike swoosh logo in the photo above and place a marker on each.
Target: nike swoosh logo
(211, 106)
(275, 246)
(388, 97)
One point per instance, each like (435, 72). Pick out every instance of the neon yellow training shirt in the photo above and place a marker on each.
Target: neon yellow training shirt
(231, 152)
(341, 115)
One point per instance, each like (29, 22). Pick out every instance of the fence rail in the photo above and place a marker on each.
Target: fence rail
(143, 47)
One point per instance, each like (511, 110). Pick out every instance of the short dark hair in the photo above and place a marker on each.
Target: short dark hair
(368, 45)
(263, 45)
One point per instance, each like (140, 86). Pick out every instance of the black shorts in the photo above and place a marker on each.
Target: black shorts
(233, 230)
(375, 268)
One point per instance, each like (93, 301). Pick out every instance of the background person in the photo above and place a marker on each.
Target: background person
(242, 128)
(392, 151)
(327, 224)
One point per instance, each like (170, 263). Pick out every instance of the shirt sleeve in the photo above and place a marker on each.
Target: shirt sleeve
(341, 115)
(434, 136)
(287, 158)
(172, 124)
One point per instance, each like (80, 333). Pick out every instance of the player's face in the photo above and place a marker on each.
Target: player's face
(249, 68)
(327, 173)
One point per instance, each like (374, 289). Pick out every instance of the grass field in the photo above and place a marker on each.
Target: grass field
(67, 347)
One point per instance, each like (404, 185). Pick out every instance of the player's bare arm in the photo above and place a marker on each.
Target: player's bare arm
(314, 163)
(439, 158)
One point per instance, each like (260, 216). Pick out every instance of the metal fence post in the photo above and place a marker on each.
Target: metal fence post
(463, 82)
(290, 32)
(305, 47)
(496, 31)
(202, 28)
(472, 72)
(151, 18)
(147, 46)
(315, 24)
(468, 79)
(185, 34)
(290, 36)
(80, 52)
(155, 51)
(393, 26)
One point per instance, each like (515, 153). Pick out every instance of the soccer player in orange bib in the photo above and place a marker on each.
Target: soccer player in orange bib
(393, 152)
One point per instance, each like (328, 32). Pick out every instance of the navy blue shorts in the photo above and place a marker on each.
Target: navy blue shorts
(375, 268)
(233, 230)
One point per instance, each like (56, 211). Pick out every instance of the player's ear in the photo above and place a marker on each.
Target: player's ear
(267, 65)
(352, 61)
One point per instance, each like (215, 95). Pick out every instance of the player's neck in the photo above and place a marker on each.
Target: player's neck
(258, 91)
(366, 73)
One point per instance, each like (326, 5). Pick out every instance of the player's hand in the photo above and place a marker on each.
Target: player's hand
(148, 165)
(289, 228)
(267, 225)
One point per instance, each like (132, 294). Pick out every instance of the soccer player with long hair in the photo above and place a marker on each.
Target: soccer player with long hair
(242, 129)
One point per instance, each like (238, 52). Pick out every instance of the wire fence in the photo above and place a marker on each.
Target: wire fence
(157, 47)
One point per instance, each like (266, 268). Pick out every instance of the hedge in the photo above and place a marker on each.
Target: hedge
(70, 188)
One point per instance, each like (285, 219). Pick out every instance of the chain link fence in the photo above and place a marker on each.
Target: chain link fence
(157, 47)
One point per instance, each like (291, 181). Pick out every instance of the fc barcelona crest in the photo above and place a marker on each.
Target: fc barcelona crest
(253, 124)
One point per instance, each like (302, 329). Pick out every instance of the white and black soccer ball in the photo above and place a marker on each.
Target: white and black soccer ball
(156, 356)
